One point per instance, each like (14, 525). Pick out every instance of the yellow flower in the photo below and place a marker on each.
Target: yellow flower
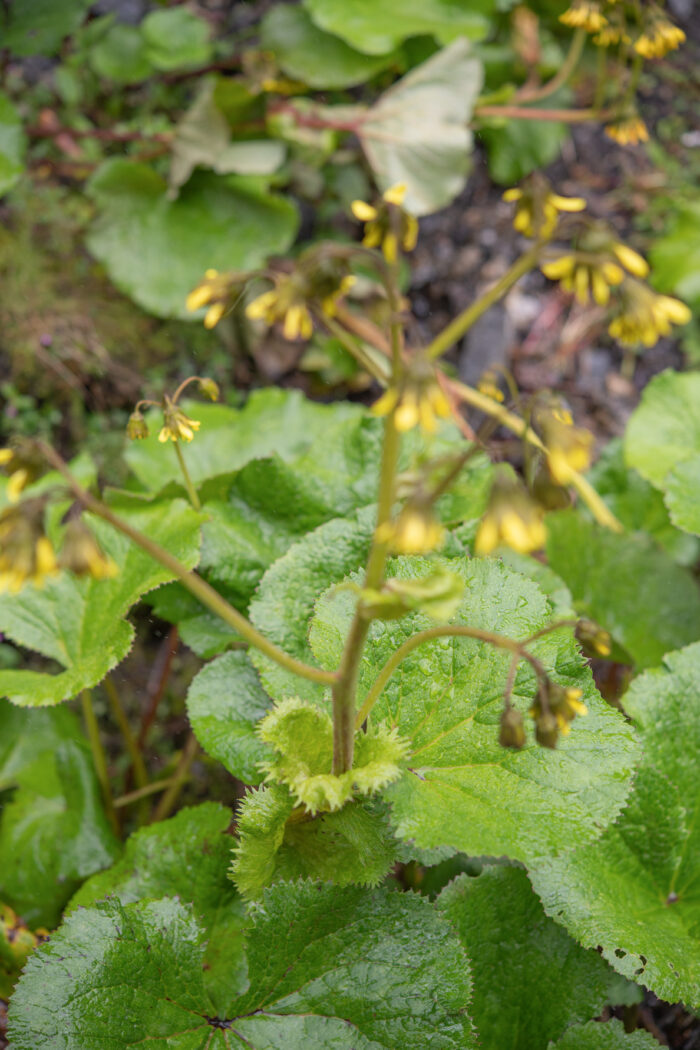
(611, 35)
(415, 531)
(176, 425)
(628, 132)
(388, 224)
(215, 290)
(579, 275)
(26, 553)
(554, 716)
(488, 385)
(284, 303)
(659, 37)
(19, 474)
(538, 208)
(420, 401)
(512, 520)
(585, 14)
(82, 555)
(643, 315)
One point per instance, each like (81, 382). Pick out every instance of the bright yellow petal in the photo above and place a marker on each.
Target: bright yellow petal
(258, 309)
(513, 194)
(395, 194)
(386, 403)
(601, 289)
(390, 247)
(214, 315)
(567, 203)
(363, 211)
(631, 260)
(198, 297)
(17, 482)
(6, 455)
(559, 267)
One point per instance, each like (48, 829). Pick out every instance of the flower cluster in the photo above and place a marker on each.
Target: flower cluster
(215, 291)
(26, 553)
(21, 466)
(568, 447)
(176, 425)
(318, 279)
(629, 131)
(415, 531)
(659, 37)
(538, 208)
(417, 401)
(512, 519)
(387, 224)
(584, 14)
(595, 269)
(82, 555)
(554, 710)
(642, 316)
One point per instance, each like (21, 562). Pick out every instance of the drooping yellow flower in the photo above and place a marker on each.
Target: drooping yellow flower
(19, 474)
(538, 209)
(176, 425)
(512, 519)
(388, 224)
(415, 531)
(215, 290)
(275, 305)
(561, 706)
(629, 131)
(585, 14)
(644, 316)
(659, 37)
(26, 553)
(420, 401)
(582, 276)
(137, 427)
(82, 555)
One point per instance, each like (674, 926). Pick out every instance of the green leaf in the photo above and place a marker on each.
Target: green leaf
(417, 133)
(654, 604)
(186, 857)
(176, 39)
(12, 145)
(355, 844)
(648, 863)
(675, 256)
(609, 1036)
(37, 27)
(638, 505)
(462, 788)
(372, 26)
(284, 604)
(682, 487)
(520, 146)
(53, 831)
(340, 977)
(318, 59)
(545, 980)
(156, 249)
(272, 421)
(203, 138)
(80, 622)
(224, 704)
(120, 55)
(664, 430)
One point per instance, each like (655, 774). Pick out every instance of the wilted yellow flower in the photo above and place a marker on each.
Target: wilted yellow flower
(643, 315)
(593, 638)
(538, 209)
(388, 224)
(415, 531)
(628, 132)
(26, 553)
(585, 14)
(418, 402)
(176, 425)
(659, 37)
(512, 519)
(82, 555)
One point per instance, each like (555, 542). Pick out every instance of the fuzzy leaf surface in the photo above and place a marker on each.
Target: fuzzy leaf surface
(648, 863)
(654, 604)
(417, 132)
(683, 496)
(608, 1036)
(79, 622)
(224, 703)
(216, 221)
(355, 970)
(186, 857)
(549, 981)
(664, 430)
(462, 789)
(53, 830)
(372, 26)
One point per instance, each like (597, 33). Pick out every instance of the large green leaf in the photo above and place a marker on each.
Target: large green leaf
(417, 132)
(652, 604)
(188, 857)
(462, 788)
(546, 981)
(518, 147)
(319, 59)
(12, 144)
(329, 969)
(682, 494)
(224, 704)
(53, 831)
(609, 1036)
(375, 26)
(665, 428)
(120, 55)
(37, 27)
(80, 622)
(635, 892)
(156, 249)
(176, 39)
(675, 256)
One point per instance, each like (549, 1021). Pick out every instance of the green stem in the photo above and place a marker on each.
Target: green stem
(142, 792)
(444, 631)
(167, 802)
(463, 322)
(130, 741)
(99, 758)
(191, 490)
(346, 685)
(560, 78)
(356, 350)
(194, 583)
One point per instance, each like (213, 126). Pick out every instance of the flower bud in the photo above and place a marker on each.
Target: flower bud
(547, 730)
(512, 731)
(209, 388)
(136, 428)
